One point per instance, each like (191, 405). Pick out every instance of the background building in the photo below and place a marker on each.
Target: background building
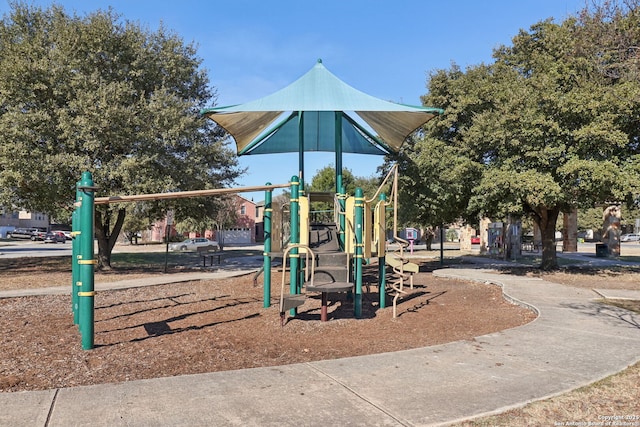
(9, 221)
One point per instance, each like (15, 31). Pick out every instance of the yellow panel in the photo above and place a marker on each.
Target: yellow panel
(303, 202)
(349, 233)
(367, 233)
(379, 228)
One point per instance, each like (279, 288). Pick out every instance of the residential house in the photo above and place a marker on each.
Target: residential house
(259, 221)
(244, 231)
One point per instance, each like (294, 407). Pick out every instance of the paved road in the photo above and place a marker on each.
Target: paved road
(27, 248)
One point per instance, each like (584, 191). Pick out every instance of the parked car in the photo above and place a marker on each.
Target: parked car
(38, 235)
(67, 234)
(54, 237)
(631, 237)
(475, 240)
(26, 233)
(193, 244)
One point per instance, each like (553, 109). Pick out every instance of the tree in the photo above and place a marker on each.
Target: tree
(138, 218)
(547, 128)
(99, 94)
(325, 180)
(433, 190)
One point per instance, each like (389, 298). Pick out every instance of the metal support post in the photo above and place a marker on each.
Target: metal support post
(294, 287)
(382, 267)
(86, 261)
(358, 224)
(301, 150)
(268, 194)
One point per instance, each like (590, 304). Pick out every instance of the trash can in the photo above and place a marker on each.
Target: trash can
(602, 250)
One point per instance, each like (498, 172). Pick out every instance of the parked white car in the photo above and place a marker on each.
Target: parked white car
(194, 244)
(630, 237)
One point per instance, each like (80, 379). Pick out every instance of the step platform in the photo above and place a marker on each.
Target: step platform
(326, 289)
(293, 301)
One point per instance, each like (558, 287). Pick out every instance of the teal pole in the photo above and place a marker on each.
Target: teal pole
(338, 149)
(382, 268)
(358, 224)
(86, 261)
(301, 149)
(339, 187)
(295, 238)
(267, 247)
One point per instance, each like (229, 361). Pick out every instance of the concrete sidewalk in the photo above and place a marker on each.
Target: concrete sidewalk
(574, 342)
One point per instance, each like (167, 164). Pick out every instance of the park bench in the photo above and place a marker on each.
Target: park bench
(210, 252)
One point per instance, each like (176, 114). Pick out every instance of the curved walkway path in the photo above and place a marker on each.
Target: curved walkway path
(573, 342)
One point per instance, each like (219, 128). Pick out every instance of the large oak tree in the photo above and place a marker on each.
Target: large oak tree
(101, 94)
(552, 124)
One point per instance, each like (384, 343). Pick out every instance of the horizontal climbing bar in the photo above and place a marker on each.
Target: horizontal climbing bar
(184, 194)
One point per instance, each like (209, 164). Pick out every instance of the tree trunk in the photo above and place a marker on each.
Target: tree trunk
(428, 236)
(570, 231)
(546, 220)
(106, 236)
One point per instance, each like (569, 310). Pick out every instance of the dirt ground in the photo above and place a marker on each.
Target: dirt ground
(208, 326)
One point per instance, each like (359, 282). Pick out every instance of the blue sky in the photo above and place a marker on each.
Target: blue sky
(384, 48)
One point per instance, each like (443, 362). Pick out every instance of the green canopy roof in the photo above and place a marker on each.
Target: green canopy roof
(305, 115)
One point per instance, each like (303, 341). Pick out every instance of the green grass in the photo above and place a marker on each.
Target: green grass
(630, 258)
(155, 259)
(152, 260)
(144, 258)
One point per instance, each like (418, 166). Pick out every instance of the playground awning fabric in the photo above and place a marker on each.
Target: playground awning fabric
(305, 115)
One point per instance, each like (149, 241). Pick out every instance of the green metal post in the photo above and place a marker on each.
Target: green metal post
(267, 247)
(382, 268)
(301, 149)
(294, 288)
(358, 225)
(74, 264)
(338, 149)
(339, 187)
(86, 261)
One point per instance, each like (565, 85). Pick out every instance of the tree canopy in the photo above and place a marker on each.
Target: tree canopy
(101, 94)
(434, 188)
(325, 181)
(552, 124)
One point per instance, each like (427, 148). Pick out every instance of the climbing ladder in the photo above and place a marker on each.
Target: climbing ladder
(402, 271)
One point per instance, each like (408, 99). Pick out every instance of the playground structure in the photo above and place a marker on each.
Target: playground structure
(357, 234)
(317, 112)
